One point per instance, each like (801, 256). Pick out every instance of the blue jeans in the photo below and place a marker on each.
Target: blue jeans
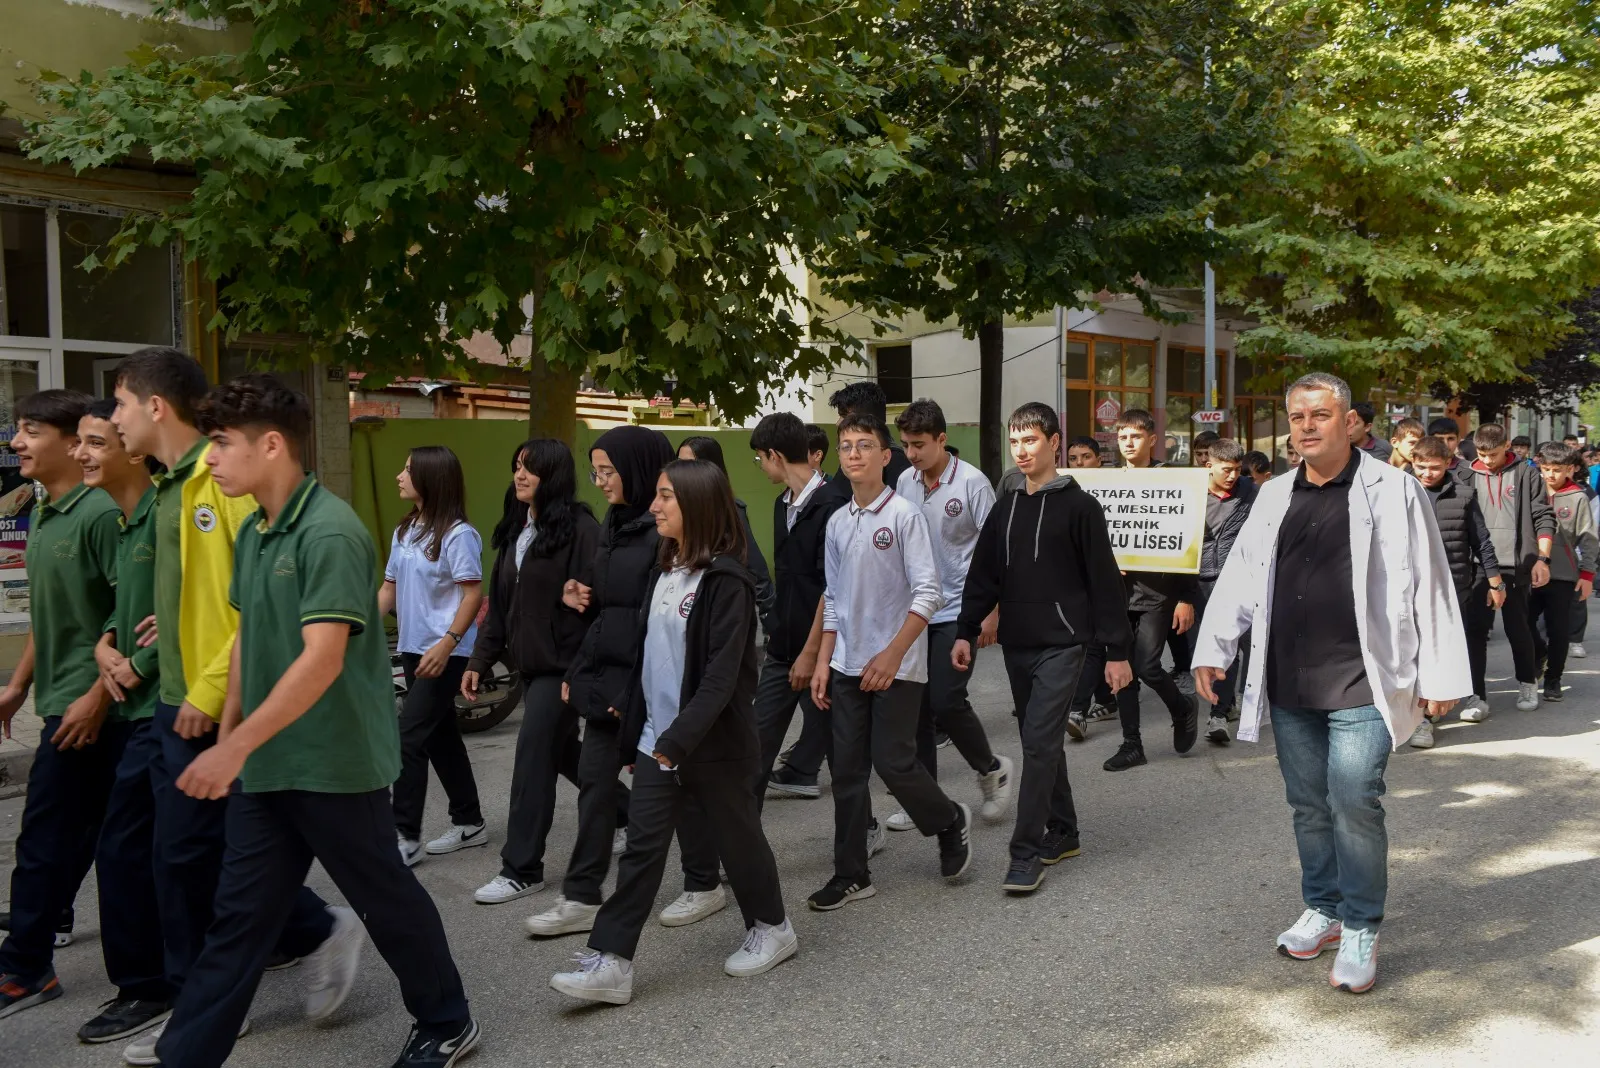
(1333, 762)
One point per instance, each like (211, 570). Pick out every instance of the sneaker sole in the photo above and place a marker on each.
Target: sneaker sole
(966, 862)
(1059, 857)
(1125, 767)
(789, 790)
(1023, 888)
(686, 918)
(1322, 946)
(31, 1000)
(893, 826)
(1218, 738)
(467, 843)
(284, 965)
(63, 939)
(413, 859)
(857, 895)
(605, 997)
(570, 927)
(1347, 988)
(468, 1044)
(127, 1032)
(778, 958)
(1076, 731)
(524, 892)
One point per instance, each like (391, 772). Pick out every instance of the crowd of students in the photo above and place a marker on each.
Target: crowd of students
(208, 656)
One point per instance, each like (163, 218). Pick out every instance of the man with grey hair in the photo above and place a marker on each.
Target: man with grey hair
(1341, 579)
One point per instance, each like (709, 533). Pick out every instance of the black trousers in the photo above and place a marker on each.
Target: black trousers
(1043, 682)
(774, 710)
(547, 747)
(190, 838)
(1477, 619)
(272, 839)
(599, 786)
(1092, 682)
(1580, 619)
(1552, 605)
(428, 734)
(877, 731)
(1515, 618)
(1229, 684)
(130, 913)
(945, 708)
(660, 798)
(1150, 630)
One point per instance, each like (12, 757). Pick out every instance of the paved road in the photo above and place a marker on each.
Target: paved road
(1152, 949)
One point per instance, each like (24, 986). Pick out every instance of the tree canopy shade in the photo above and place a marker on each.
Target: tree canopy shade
(387, 177)
(1065, 147)
(1557, 381)
(1433, 205)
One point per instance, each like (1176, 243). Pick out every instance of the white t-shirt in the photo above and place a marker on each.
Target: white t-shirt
(426, 592)
(793, 504)
(955, 509)
(665, 638)
(525, 539)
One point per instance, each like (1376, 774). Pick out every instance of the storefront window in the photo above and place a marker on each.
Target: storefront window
(131, 302)
(24, 296)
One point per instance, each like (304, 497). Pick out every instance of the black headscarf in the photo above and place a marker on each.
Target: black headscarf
(638, 453)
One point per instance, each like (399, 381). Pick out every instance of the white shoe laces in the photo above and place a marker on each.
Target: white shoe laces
(589, 960)
(1311, 922)
(754, 940)
(1357, 946)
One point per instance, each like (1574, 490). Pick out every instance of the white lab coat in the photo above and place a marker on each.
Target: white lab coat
(1409, 622)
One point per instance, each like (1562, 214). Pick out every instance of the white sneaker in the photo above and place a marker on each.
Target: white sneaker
(599, 977)
(765, 947)
(331, 968)
(692, 906)
(619, 842)
(1576, 649)
(1311, 934)
(877, 838)
(500, 889)
(410, 852)
(459, 837)
(1422, 737)
(996, 788)
(564, 917)
(142, 1050)
(1356, 967)
(900, 822)
(1217, 730)
(1474, 710)
(1527, 696)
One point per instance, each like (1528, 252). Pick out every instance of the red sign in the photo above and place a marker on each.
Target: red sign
(1107, 411)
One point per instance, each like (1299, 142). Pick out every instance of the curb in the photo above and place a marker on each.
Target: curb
(14, 767)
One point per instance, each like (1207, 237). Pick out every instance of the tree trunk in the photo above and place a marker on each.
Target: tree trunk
(991, 419)
(552, 401)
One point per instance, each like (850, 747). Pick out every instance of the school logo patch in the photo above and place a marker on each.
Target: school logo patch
(64, 550)
(1564, 511)
(952, 507)
(882, 538)
(283, 566)
(205, 520)
(685, 605)
(143, 553)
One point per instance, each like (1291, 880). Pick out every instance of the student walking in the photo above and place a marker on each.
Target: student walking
(1044, 560)
(702, 447)
(883, 587)
(309, 733)
(1229, 497)
(690, 734)
(433, 583)
(1094, 702)
(1572, 563)
(546, 538)
(1341, 579)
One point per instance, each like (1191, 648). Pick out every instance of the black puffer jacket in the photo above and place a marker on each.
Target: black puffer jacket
(527, 623)
(1214, 552)
(1467, 544)
(619, 583)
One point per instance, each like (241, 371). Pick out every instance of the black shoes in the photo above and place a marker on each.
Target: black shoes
(955, 845)
(1058, 846)
(785, 780)
(1552, 690)
(1131, 755)
(1025, 877)
(839, 892)
(436, 1051)
(1186, 728)
(122, 1017)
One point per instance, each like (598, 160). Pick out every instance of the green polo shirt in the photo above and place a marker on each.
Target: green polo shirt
(136, 599)
(315, 564)
(72, 591)
(169, 571)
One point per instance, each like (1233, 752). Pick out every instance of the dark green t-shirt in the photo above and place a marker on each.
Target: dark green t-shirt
(169, 570)
(315, 564)
(72, 584)
(136, 599)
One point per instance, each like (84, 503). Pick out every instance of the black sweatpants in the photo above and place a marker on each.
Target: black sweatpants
(272, 839)
(1580, 620)
(774, 710)
(877, 731)
(1477, 619)
(660, 797)
(1092, 684)
(1150, 630)
(429, 734)
(1552, 604)
(1516, 619)
(945, 708)
(1043, 682)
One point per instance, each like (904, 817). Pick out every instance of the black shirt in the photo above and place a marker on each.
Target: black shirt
(1314, 655)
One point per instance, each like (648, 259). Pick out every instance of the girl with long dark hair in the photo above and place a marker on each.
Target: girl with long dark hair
(433, 583)
(545, 538)
(690, 729)
(704, 447)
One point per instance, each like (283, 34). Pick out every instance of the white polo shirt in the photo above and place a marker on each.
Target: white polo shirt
(880, 566)
(955, 508)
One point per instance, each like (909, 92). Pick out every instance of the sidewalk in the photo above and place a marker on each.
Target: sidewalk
(16, 752)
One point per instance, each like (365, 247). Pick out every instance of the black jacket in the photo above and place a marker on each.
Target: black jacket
(797, 564)
(1215, 549)
(619, 580)
(526, 622)
(1150, 591)
(716, 719)
(756, 564)
(1467, 544)
(1045, 558)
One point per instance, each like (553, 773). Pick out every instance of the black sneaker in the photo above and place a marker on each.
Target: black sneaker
(1024, 877)
(281, 960)
(1130, 755)
(790, 782)
(955, 845)
(941, 740)
(1186, 728)
(1099, 713)
(1077, 726)
(63, 927)
(16, 995)
(839, 892)
(122, 1017)
(1058, 846)
(438, 1051)
(1552, 691)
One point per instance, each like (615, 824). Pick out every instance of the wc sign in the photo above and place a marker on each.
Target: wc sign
(1210, 417)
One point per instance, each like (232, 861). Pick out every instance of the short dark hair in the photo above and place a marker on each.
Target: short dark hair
(952, 450)
(1489, 436)
(1084, 441)
(1432, 448)
(866, 396)
(865, 423)
(1444, 425)
(1036, 415)
(174, 376)
(922, 416)
(1257, 461)
(784, 434)
(1204, 439)
(816, 440)
(1366, 411)
(60, 408)
(1409, 425)
(711, 524)
(1225, 451)
(704, 447)
(102, 408)
(1137, 419)
(1522, 439)
(258, 402)
(1558, 452)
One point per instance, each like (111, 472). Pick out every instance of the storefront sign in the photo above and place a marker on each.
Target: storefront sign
(1156, 516)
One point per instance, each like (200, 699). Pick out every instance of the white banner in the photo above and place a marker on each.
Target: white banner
(1156, 515)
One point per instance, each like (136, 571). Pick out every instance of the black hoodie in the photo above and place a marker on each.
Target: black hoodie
(1045, 558)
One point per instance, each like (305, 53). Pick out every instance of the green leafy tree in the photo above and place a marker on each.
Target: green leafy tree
(1557, 381)
(385, 178)
(1064, 147)
(1432, 207)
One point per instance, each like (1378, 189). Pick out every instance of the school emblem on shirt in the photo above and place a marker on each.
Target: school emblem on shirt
(283, 566)
(1564, 511)
(952, 507)
(143, 552)
(205, 520)
(685, 605)
(64, 549)
(882, 538)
